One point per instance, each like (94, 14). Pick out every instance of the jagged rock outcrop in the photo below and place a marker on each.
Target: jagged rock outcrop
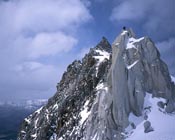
(100, 97)
(65, 115)
(147, 126)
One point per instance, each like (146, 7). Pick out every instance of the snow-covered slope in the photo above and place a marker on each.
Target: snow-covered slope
(162, 123)
(173, 79)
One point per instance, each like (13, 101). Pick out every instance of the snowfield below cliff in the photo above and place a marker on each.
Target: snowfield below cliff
(161, 122)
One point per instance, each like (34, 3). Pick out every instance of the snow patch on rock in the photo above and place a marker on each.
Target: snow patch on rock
(84, 113)
(102, 55)
(173, 79)
(131, 42)
(132, 65)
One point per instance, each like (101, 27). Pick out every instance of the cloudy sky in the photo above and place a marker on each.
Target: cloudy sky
(39, 38)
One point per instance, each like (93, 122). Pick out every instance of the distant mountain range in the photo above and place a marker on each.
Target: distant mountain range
(27, 104)
(12, 114)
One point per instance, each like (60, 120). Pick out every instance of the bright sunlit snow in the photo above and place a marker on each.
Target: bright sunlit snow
(39, 110)
(103, 55)
(124, 32)
(84, 113)
(95, 137)
(162, 123)
(173, 79)
(34, 136)
(27, 120)
(132, 65)
(131, 42)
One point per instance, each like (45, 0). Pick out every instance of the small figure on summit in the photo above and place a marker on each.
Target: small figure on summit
(124, 28)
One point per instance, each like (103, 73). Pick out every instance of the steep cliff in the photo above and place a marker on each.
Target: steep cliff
(65, 115)
(136, 71)
(138, 89)
(109, 98)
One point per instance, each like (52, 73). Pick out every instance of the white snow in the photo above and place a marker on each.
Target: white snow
(36, 122)
(39, 110)
(134, 40)
(23, 132)
(124, 32)
(61, 138)
(130, 45)
(53, 137)
(34, 136)
(173, 79)
(131, 42)
(95, 137)
(103, 55)
(27, 120)
(47, 114)
(100, 58)
(84, 113)
(162, 123)
(101, 86)
(132, 65)
(55, 106)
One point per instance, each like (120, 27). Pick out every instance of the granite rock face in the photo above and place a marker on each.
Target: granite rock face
(65, 115)
(96, 96)
(136, 70)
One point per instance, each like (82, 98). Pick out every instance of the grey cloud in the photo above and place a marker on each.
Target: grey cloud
(32, 32)
(167, 49)
(43, 15)
(155, 17)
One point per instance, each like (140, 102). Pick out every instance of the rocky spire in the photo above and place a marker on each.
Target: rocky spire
(104, 45)
(137, 69)
(65, 115)
(137, 72)
(98, 101)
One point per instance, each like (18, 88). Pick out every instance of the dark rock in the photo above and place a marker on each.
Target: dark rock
(161, 104)
(147, 127)
(145, 117)
(170, 107)
(62, 114)
(133, 125)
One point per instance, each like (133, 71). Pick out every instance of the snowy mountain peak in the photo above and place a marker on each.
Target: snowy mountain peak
(138, 68)
(104, 98)
(66, 114)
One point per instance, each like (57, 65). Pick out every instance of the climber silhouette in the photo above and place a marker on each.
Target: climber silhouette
(124, 28)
